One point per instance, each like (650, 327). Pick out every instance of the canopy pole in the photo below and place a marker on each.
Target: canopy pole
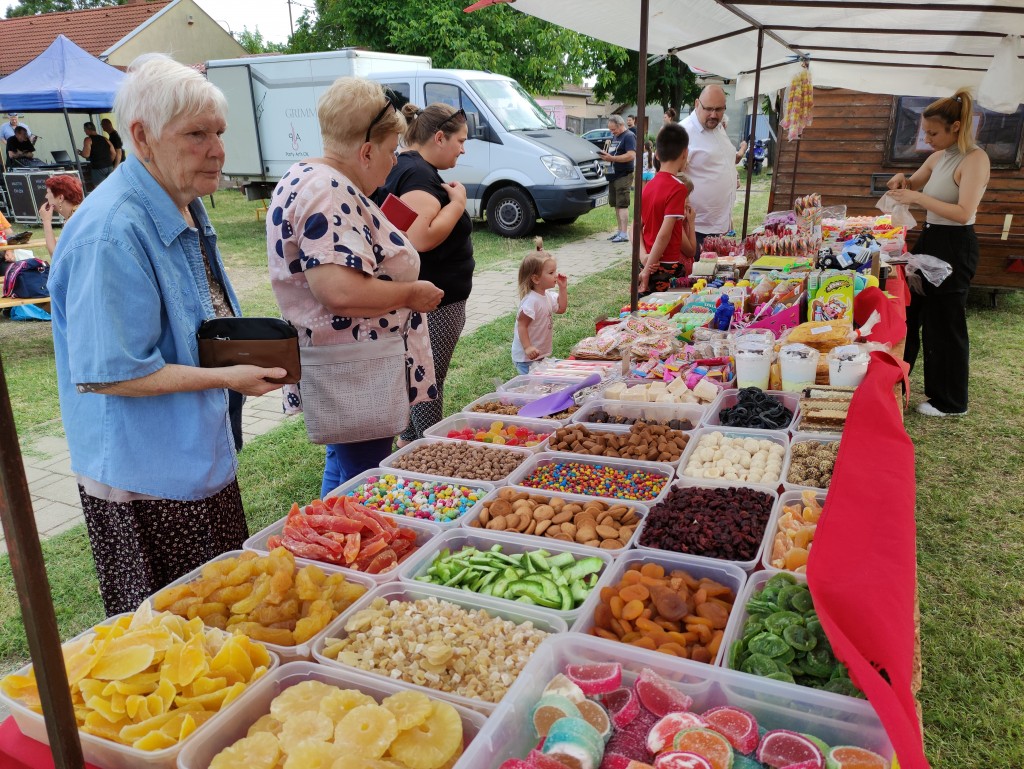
(792, 183)
(753, 130)
(74, 149)
(33, 588)
(638, 165)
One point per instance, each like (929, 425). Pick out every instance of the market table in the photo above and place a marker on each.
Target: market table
(19, 752)
(31, 244)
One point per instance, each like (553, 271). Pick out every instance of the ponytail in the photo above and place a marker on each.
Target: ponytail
(424, 122)
(958, 107)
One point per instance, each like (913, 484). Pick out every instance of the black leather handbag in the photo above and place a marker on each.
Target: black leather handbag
(267, 342)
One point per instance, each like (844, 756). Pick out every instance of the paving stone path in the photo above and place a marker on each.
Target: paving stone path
(48, 463)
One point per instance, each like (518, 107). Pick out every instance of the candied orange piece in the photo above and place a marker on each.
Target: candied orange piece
(796, 558)
(803, 537)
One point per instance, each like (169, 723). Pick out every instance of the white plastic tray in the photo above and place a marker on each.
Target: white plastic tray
(638, 507)
(552, 457)
(424, 533)
(531, 384)
(722, 572)
(483, 539)
(302, 651)
(748, 565)
(255, 702)
(542, 427)
(510, 399)
(775, 704)
(780, 438)
(803, 438)
(728, 398)
(348, 488)
(112, 755)
(617, 429)
(403, 591)
(654, 412)
(389, 462)
(785, 498)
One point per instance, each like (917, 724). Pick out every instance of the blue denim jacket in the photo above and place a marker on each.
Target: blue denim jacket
(129, 290)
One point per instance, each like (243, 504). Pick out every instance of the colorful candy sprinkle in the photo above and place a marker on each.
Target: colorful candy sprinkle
(596, 481)
(430, 500)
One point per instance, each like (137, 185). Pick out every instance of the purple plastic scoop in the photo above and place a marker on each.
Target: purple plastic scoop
(557, 401)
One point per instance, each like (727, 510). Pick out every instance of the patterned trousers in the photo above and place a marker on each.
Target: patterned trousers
(445, 325)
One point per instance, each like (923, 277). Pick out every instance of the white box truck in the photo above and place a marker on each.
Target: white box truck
(518, 167)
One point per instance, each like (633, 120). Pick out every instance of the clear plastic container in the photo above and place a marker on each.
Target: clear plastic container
(775, 704)
(785, 498)
(531, 384)
(425, 532)
(255, 702)
(803, 438)
(613, 429)
(640, 509)
(389, 462)
(780, 438)
(508, 399)
(553, 457)
(349, 487)
(753, 366)
(746, 566)
(404, 591)
(302, 651)
(650, 412)
(541, 427)
(483, 539)
(729, 398)
(722, 572)
(112, 755)
(799, 366)
(848, 365)
(831, 703)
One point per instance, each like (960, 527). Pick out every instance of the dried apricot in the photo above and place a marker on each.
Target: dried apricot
(634, 593)
(632, 610)
(652, 570)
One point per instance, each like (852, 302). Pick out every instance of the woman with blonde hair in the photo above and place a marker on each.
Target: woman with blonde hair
(949, 186)
(340, 271)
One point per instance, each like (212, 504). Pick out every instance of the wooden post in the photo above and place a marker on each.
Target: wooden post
(33, 589)
(792, 181)
(638, 166)
(753, 130)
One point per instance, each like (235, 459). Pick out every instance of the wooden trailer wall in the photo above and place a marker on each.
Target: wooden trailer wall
(845, 145)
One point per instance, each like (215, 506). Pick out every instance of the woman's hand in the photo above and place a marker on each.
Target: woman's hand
(424, 296)
(904, 196)
(46, 214)
(251, 380)
(457, 194)
(691, 215)
(898, 182)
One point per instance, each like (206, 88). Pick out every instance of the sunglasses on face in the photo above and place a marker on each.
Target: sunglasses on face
(450, 118)
(388, 104)
(712, 110)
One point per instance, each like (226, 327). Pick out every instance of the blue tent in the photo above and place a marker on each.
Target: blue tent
(63, 78)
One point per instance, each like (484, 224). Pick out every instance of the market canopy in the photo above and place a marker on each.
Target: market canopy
(903, 48)
(62, 78)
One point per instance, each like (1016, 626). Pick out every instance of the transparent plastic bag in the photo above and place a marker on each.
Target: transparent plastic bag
(898, 213)
(1002, 87)
(921, 267)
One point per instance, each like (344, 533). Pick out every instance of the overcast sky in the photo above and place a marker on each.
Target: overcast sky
(269, 16)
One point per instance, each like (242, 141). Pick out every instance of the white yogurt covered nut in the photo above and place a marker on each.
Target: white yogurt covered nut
(736, 459)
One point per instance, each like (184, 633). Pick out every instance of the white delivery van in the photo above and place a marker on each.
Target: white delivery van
(518, 165)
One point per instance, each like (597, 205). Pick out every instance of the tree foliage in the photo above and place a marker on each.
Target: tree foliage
(32, 7)
(254, 42)
(541, 56)
(670, 82)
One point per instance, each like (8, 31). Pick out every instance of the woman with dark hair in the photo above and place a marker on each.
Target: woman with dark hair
(949, 186)
(63, 196)
(435, 138)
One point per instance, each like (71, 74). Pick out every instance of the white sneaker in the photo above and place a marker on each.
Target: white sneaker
(928, 410)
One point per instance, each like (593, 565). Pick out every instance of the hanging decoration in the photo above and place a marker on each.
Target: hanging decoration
(799, 104)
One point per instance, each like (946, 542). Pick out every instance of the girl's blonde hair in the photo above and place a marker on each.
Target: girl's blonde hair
(531, 265)
(960, 107)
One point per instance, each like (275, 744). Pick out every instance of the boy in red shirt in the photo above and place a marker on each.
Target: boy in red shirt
(667, 217)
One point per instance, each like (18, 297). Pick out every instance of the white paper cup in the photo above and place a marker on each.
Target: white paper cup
(799, 365)
(753, 367)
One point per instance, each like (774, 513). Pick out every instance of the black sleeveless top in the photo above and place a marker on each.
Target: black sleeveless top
(99, 153)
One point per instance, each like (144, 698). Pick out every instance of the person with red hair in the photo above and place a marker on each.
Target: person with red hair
(64, 196)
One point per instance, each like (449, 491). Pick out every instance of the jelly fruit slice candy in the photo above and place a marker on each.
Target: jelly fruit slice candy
(736, 725)
(631, 741)
(662, 733)
(781, 748)
(597, 678)
(596, 716)
(623, 706)
(708, 744)
(560, 684)
(658, 695)
(848, 757)
(681, 759)
(538, 760)
(551, 708)
(516, 763)
(616, 761)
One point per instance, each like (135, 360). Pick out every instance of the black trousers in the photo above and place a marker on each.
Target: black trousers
(937, 320)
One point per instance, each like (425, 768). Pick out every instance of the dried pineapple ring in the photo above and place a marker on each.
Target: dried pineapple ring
(431, 744)
(306, 727)
(338, 703)
(312, 755)
(409, 708)
(367, 730)
(265, 723)
(257, 751)
(298, 699)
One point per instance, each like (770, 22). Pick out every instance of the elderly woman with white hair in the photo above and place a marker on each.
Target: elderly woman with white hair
(136, 272)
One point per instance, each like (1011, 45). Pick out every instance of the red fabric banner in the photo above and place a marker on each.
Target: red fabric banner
(19, 752)
(893, 324)
(862, 570)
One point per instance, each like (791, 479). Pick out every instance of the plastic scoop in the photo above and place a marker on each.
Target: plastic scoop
(558, 401)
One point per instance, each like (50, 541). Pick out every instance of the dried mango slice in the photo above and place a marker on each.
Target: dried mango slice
(186, 662)
(154, 741)
(96, 724)
(124, 663)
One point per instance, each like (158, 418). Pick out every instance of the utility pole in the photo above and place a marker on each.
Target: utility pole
(291, 23)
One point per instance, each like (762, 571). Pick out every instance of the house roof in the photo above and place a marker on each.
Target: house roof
(94, 29)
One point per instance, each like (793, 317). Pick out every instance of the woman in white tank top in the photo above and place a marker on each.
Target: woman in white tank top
(949, 186)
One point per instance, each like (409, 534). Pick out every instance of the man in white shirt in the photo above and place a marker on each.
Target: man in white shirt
(8, 129)
(712, 165)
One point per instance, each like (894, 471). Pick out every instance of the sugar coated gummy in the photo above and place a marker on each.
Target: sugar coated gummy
(736, 725)
(662, 733)
(623, 706)
(658, 695)
(782, 748)
(560, 684)
(708, 744)
(616, 761)
(681, 759)
(847, 757)
(595, 715)
(549, 709)
(597, 678)
(577, 740)
(539, 760)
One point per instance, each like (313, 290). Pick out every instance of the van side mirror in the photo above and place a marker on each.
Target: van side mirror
(474, 129)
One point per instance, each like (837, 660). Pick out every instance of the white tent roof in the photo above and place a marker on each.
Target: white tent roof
(908, 48)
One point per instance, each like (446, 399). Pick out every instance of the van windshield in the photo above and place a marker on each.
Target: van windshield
(511, 105)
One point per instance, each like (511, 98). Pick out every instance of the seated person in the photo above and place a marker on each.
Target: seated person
(20, 149)
(6, 230)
